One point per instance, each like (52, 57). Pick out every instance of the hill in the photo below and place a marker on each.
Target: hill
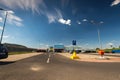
(18, 48)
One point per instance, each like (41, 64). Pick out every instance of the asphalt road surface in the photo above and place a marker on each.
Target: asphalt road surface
(56, 67)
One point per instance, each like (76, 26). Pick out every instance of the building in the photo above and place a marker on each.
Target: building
(59, 48)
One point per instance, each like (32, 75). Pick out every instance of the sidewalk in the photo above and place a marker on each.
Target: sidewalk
(19, 56)
(93, 58)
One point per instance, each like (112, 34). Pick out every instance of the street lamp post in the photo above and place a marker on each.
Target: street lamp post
(101, 52)
(99, 38)
(3, 24)
(98, 31)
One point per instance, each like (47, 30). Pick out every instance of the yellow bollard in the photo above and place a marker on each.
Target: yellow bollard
(74, 56)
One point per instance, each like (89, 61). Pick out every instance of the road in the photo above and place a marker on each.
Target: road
(56, 67)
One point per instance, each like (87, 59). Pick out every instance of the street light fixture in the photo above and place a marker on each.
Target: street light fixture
(3, 24)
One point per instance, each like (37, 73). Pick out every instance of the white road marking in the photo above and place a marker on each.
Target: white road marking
(35, 68)
(48, 60)
(49, 56)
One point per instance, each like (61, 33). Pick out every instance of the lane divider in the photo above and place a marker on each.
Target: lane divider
(49, 56)
(48, 60)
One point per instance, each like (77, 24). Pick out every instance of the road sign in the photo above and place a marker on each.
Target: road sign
(74, 42)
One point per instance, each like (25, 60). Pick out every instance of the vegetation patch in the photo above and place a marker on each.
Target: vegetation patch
(25, 52)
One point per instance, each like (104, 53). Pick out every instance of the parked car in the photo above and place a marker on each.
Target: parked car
(3, 52)
(115, 51)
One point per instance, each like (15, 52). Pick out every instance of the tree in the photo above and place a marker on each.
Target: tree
(97, 49)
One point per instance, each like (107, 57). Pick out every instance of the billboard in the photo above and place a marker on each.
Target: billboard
(59, 47)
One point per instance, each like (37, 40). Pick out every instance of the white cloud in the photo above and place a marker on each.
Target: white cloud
(32, 5)
(1, 19)
(115, 2)
(53, 17)
(37, 6)
(57, 16)
(12, 18)
(78, 22)
(84, 20)
(67, 22)
(47, 46)
(62, 21)
(60, 43)
(5, 37)
(1, 28)
(10, 12)
(41, 44)
(110, 44)
(113, 43)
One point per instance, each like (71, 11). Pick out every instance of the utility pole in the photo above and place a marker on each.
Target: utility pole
(3, 25)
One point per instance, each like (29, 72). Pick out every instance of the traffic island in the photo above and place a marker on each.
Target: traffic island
(101, 53)
(103, 58)
(74, 56)
(93, 57)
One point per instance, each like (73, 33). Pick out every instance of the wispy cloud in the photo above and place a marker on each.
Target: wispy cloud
(78, 22)
(36, 6)
(1, 19)
(67, 22)
(5, 37)
(43, 46)
(1, 28)
(84, 20)
(114, 41)
(51, 17)
(32, 5)
(12, 18)
(54, 16)
(86, 44)
(110, 44)
(64, 2)
(115, 2)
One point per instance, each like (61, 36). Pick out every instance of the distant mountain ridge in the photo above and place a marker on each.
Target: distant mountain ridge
(14, 45)
(17, 47)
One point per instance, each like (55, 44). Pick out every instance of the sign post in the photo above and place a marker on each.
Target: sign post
(74, 56)
(74, 44)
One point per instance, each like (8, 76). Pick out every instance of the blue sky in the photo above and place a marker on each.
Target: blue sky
(41, 23)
